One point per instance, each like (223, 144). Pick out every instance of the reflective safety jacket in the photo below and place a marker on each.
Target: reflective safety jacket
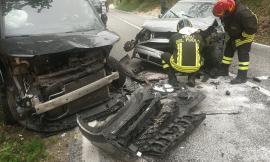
(185, 52)
(241, 25)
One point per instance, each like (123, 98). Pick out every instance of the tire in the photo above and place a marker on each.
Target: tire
(114, 65)
(8, 117)
(213, 56)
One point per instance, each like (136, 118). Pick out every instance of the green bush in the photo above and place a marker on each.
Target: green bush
(141, 5)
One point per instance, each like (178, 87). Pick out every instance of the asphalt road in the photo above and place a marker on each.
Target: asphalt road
(237, 127)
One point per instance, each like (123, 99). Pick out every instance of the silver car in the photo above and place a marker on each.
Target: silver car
(153, 39)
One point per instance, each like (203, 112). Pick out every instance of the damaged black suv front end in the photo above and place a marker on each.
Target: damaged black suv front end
(53, 58)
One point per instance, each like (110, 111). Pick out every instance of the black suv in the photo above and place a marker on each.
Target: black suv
(53, 62)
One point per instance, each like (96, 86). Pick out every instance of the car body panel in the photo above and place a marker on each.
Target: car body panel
(49, 44)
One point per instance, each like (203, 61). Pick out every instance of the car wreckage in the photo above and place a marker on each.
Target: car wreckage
(153, 39)
(59, 74)
(54, 62)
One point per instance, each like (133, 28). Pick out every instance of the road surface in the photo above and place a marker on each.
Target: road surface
(237, 127)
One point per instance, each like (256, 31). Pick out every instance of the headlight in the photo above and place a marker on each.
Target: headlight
(146, 35)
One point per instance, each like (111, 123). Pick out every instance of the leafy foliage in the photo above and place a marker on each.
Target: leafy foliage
(39, 4)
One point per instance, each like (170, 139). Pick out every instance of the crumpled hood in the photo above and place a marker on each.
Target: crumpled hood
(161, 25)
(202, 23)
(45, 44)
(170, 25)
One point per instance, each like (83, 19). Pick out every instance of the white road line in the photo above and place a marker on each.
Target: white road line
(250, 84)
(135, 26)
(262, 90)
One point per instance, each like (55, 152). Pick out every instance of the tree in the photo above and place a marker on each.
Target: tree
(18, 4)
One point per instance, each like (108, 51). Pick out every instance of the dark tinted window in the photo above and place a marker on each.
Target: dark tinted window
(58, 16)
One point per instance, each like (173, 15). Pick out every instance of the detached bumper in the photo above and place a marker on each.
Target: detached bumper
(149, 124)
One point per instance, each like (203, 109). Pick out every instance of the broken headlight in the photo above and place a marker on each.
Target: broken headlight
(146, 35)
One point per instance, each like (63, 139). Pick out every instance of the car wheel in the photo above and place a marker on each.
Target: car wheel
(114, 65)
(217, 54)
(213, 56)
(8, 117)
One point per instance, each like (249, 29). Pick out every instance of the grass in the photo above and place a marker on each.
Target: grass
(19, 148)
(14, 150)
(139, 5)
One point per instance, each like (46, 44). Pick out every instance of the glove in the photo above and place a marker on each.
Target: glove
(245, 38)
(215, 23)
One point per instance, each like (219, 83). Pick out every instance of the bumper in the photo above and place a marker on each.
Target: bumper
(146, 125)
(148, 54)
(74, 95)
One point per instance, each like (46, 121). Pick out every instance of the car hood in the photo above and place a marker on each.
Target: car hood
(161, 25)
(29, 46)
(170, 25)
(202, 23)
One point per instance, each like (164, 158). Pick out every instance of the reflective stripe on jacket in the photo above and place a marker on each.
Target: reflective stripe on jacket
(186, 53)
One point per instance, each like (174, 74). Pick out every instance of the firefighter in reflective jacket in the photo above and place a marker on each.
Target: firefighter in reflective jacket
(241, 25)
(184, 54)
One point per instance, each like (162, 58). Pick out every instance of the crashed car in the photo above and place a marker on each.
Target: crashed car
(153, 39)
(54, 63)
(101, 10)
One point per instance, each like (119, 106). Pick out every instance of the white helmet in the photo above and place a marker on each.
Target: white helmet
(187, 30)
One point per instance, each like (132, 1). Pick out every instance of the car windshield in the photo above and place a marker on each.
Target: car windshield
(190, 10)
(31, 17)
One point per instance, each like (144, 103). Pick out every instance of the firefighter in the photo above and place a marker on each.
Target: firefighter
(241, 25)
(184, 54)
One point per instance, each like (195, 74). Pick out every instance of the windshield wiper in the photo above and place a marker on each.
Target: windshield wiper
(174, 14)
(187, 15)
(182, 14)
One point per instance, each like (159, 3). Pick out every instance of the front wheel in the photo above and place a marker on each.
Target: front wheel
(7, 115)
(213, 56)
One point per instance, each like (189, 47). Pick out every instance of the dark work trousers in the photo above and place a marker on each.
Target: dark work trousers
(165, 57)
(243, 54)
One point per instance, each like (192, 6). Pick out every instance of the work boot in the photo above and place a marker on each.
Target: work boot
(191, 81)
(172, 78)
(223, 70)
(240, 78)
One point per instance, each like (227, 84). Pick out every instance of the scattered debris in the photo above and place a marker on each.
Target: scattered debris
(261, 78)
(163, 88)
(205, 78)
(155, 76)
(256, 88)
(63, 135)
(223, 112)
(199, 87)
(228, 93)
(222, 154)
(215, 83)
